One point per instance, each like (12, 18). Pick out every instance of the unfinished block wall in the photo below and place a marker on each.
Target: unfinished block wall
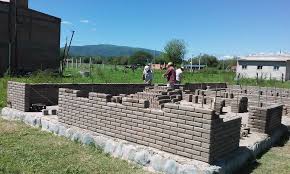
(265, 119)
(239, 105)
(194, 86)
(22, 95)
(265, 96)
(47, 93)
(159, 95)
(17, 96)
(194, 133)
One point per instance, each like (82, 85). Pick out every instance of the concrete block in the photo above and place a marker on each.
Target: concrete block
(44, 125)
(171, 167)
(157, 163)
(53, 127)
(87, 139)
(188, 169)
(76, 136)
(142, 157)
(119, 150)
(129, 152)
(171, 106)
(110, 147)
(62, 130)
(100, 141)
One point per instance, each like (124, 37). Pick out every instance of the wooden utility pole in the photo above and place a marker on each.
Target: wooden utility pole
(64, 59)
(72, 36)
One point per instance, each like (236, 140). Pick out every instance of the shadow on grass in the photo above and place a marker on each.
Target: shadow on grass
(255, 164)
(250, 168)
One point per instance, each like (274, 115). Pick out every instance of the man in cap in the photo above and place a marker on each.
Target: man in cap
(179, 72)
(170, 75)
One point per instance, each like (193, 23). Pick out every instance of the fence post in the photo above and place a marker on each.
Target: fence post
(90, 66)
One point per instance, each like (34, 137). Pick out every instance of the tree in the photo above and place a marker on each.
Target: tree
(209, 60)
(227, 63)
(175, 51)
(161, 59)
(140, 57)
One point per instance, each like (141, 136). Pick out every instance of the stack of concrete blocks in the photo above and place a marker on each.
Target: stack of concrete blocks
(18, 96)
(187, 95)
(175, 95)
(202, 98)
(218, 105)
(117, 99)
(191, 132)
(265, 119)
(158, 96)
(239, 105)
(209, 96)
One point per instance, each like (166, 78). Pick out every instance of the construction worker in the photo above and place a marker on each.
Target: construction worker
(147, 74)
(179, 72)
(170, 75)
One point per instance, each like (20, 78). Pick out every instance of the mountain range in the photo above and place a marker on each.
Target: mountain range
(106, 50)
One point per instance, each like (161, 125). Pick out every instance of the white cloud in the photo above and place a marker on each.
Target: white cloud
(94, 29)
(227, 57)
(66, 23)
(85, 21)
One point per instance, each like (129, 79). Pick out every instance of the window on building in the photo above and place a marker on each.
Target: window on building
(244, 66)
(259, 67)
(276, 68)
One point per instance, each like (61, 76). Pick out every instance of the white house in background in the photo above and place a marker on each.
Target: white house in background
(276, 66)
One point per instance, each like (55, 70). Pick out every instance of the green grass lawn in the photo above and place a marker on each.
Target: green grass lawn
(28, 150)
(275, 161)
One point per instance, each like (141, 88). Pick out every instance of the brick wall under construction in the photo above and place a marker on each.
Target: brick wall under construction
(47, 93)
(195, 133)
(265, 119)
(22, 95)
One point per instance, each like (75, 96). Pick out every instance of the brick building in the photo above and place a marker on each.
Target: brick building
(31, 37)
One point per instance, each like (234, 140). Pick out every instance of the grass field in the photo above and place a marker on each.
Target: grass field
(275, 161)
(28, 150)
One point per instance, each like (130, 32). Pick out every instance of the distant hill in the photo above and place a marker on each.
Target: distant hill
(107, 50)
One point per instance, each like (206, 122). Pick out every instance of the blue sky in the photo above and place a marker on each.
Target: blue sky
(219, 27)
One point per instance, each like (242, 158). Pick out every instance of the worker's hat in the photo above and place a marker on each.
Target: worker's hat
(170, 64)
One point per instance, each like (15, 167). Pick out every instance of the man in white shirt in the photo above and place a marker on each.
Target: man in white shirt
(179, 72)
(147, 74)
